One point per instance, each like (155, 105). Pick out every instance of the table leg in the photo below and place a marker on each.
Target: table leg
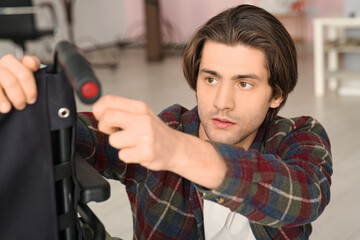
(319, 76)
(333, 61)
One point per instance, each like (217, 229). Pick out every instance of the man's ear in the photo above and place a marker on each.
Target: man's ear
(276, 101)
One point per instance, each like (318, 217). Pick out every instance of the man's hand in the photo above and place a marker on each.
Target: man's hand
(146, 140)
(17, 82)
(143, 138)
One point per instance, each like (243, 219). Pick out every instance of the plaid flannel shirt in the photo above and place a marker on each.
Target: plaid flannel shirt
(281, 184)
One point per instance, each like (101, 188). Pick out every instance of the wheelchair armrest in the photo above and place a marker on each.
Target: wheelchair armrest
(88, 217)
(92, 186)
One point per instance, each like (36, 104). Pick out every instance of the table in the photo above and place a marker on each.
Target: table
(329, 37)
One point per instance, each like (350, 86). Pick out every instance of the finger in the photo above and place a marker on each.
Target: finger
(122, 139)
(120, 103)
(23, 74)
(112, 120)
(28, 82)
(128, 155)
(12, 89)
(136, 155)
(31, 62)
(5, 105)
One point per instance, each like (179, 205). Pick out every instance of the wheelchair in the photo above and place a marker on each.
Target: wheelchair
(44, 184)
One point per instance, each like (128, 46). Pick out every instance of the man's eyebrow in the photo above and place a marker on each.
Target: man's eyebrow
(242, 76)
(211, 72)
(236, 77)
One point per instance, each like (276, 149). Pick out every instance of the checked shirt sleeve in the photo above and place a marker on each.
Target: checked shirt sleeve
(94, 147)
(286, 182)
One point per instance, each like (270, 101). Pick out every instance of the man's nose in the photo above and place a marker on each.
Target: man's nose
(224, 99)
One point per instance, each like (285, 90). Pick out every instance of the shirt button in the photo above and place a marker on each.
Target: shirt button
(220, 200)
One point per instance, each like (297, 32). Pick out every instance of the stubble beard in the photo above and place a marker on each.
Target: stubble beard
(226, 136)
(232, 135)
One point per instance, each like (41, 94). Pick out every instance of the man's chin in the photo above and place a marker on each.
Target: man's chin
(219, 135)
(222, 138)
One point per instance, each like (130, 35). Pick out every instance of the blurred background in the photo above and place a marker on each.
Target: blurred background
(135, 48)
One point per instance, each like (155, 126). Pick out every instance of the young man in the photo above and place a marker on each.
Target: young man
(227, 169)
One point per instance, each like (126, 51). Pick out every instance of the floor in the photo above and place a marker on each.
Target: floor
(162, 84)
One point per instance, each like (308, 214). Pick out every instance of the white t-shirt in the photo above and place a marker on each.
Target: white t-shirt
(222, 224)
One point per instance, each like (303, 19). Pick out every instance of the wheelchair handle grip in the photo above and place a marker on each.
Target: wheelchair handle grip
(78, 71)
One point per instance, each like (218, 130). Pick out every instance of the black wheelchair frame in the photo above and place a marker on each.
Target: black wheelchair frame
(75, 181)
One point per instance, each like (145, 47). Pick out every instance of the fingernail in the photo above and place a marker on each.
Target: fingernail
(5, 107)
(92, 128)
(32, 100)
(21, 107)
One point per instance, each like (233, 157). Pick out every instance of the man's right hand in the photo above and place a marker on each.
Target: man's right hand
(17, 82)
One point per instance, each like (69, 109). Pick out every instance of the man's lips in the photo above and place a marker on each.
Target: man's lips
(222, 123)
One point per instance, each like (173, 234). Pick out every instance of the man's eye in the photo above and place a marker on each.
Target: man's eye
(211, 80)
(245, 85)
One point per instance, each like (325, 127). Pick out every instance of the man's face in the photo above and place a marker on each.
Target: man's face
(233, 94)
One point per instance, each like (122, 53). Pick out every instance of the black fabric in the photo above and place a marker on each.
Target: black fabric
(27, 195)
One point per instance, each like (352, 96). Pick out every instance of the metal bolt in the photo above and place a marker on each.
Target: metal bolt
(63, 112)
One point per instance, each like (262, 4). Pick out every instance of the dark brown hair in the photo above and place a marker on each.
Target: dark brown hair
(251, 26)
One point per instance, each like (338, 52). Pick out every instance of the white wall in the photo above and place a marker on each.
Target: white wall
(107, 21)
(113, 20)
(99, 21)
(187, 15)
(351, 60)
(95, 22)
